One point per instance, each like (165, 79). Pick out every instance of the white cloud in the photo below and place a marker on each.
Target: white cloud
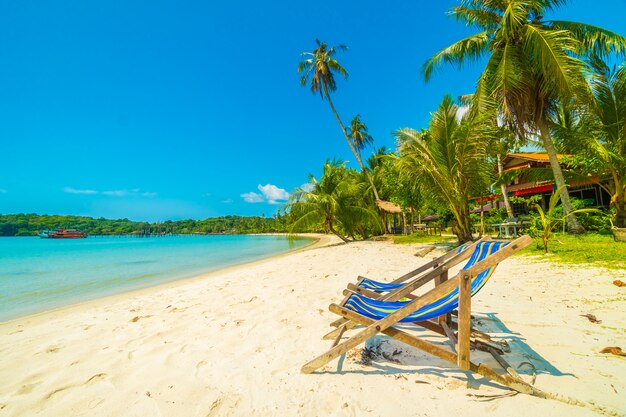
(252, 197)
(269, 194)
(75, 191)
(112, 193)
(461, 112)
(116, 193)
(273, 194)
(307, 187)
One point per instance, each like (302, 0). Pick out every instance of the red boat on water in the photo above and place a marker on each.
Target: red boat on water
(62, 234)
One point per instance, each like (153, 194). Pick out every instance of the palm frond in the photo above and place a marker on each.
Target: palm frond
(551, 52)
(469, 49)
(478, 17)
(593, 40)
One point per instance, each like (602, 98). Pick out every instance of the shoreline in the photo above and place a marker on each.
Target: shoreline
(318, 240)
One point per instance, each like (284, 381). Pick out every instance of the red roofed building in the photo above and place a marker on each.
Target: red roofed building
(522, 185)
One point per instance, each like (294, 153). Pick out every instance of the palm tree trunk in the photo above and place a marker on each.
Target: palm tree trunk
(573, 226)
(618, 200)
(620, 209)
(404, 228)
(505, 196)
(345, 134)
(342, 237)
(463, 229)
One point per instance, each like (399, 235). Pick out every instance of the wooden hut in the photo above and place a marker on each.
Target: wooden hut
(389, 208)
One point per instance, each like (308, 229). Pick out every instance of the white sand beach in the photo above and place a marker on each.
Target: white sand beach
(233, 342)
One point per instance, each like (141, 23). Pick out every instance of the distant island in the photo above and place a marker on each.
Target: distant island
(33, 224)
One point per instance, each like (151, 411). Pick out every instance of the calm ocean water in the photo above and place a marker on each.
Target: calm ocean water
(41, 274)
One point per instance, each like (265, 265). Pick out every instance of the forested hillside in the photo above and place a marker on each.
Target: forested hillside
(33, 224)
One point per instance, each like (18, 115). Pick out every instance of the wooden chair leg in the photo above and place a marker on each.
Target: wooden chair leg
(465, 297)
(508, 380)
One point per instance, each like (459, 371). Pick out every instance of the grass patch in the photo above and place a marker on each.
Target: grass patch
(593, 248)
(423, 238)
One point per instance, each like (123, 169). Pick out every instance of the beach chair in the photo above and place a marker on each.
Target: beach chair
(381, 316)
(434, 271)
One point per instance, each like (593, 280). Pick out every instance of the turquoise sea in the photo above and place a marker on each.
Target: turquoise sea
(41, 274)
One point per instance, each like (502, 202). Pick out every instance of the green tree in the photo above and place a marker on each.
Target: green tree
(359, 135)
(532, 64)
(449, 160)
(596, 133)
(548, 220)
(335, 203)
(320, 67)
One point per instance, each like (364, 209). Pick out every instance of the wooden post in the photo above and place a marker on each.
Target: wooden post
(465, 310)
(445, 318)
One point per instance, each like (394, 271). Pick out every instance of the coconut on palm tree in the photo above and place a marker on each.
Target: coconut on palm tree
(532, 65)
(319, 69)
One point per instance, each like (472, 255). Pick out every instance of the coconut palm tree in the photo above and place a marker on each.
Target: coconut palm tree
(532, 64)
(448, 159)
(334, 202)
(319, 69)
(360, 137)
(597, 132)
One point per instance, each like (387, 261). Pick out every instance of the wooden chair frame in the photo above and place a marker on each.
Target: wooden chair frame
(460, 352)
(436, 270)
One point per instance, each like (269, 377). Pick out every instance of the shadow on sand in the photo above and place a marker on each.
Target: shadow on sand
(386, 356)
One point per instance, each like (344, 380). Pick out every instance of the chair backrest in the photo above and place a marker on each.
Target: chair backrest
(374, 285)
(445, 304)
(482, 251)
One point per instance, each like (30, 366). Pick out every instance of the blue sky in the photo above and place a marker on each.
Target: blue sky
(155, 110)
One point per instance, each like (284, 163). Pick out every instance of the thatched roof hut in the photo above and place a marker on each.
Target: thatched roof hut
(388, 206)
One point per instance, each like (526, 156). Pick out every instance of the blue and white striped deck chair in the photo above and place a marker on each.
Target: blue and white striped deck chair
(401, 288)
(380, 316)
(377, 309)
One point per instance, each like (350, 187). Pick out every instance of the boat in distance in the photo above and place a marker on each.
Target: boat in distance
(62, 234)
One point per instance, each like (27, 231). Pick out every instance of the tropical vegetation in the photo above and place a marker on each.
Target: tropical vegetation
(595, 133)
(532, 66)
(448, 160)
(545, 84)
(335, 203)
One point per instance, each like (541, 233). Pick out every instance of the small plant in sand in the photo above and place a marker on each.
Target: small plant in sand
(548, 220)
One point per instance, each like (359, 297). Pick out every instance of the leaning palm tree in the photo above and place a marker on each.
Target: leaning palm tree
(334, 202)
(449, 161)
(532, 64)
(320, 67)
